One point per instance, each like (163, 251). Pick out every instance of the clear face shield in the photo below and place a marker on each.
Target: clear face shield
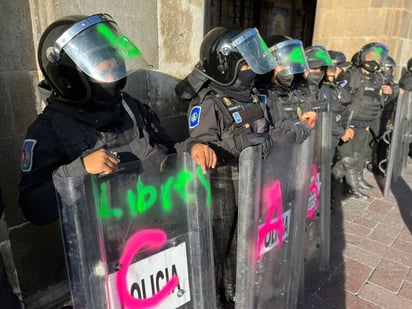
(101, 51)
(377, 53)
(254, 50)
(291, 56)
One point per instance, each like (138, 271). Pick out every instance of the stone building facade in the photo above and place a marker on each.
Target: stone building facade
(169, 33)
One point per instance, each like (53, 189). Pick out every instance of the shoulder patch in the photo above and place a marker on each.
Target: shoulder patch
(262, 98)
(194, 118)
(27, 154)
(237, 117)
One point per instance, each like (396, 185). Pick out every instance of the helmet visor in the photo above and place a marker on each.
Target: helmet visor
(254, 50)
(377, 52)
(290, 54)
(101, 50)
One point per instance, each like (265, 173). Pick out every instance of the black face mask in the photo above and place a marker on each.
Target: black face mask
(245, 80)
(314, 78)
(105, 95)
(371, 66)
(284, 78)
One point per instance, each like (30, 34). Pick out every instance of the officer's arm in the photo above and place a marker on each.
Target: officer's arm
(37, 197)
(206, 125)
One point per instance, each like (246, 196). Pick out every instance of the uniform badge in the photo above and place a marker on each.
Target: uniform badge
(194, 118)
(237, 117)
(27, 155)
(262, 98)
(299, 111)
(227, 101)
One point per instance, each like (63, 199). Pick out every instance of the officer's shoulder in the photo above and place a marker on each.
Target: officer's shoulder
(45, 118)
(204, 96)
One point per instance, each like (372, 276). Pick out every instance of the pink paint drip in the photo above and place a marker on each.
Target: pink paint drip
(272, 198)
(314, 187)
(151, 239)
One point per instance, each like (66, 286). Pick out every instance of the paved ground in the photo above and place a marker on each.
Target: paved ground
(371, 251)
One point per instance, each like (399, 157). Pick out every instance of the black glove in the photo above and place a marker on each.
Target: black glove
(282, 135)
(263, 139)
(302, 132)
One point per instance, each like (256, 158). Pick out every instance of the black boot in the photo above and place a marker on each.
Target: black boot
(338, 171)
(353, 183)
(364, 184)
(352, 178)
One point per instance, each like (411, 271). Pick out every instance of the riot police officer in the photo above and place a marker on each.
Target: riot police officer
(89, 125)
(369, 94)
(405, 82)
(226, 113)
(338, 98)
(287, 110)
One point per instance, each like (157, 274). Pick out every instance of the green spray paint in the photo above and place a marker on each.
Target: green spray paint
(145, 196)
(124, 47)
(297, 55)
(322, 55)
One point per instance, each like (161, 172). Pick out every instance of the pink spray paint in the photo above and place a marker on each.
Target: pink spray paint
(146, 239)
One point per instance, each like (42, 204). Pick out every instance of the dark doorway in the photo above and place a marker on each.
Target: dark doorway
(294, 18)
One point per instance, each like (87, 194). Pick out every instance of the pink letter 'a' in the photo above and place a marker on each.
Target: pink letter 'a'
(314, 187)
(272, 197)
(151, 239)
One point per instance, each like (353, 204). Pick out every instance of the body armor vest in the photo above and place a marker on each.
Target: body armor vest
(287, 105)
(313, 98)
(340, 113)
(126, 135)
(367, 103)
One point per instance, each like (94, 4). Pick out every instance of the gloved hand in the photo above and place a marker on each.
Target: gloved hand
(302, 132)
(295, 130)
(263, 139)
(282, 135)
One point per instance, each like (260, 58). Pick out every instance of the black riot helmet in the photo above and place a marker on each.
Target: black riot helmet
(223, 51)
(317, 56)
(338, 58)
(371, 56)
(288, 53)
(389, 66)
(355, 59)
(77, 49)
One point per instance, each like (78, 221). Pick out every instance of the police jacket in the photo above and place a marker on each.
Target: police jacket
(367, 97)
(338, 99)
(284, 104)
(223, 122)
(62, 134)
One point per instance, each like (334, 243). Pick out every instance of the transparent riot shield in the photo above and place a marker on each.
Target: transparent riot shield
(399, 139)
(139, 238)
(273, 195)
(317, 230)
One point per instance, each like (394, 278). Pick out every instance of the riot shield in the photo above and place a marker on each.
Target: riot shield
(273, 195)
(139, 238)
(399, 139)
(317, 231)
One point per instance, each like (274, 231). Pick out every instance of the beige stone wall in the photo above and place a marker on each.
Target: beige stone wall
(350, 24)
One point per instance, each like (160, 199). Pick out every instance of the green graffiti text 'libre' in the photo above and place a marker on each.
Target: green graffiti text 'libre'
(146, 196)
